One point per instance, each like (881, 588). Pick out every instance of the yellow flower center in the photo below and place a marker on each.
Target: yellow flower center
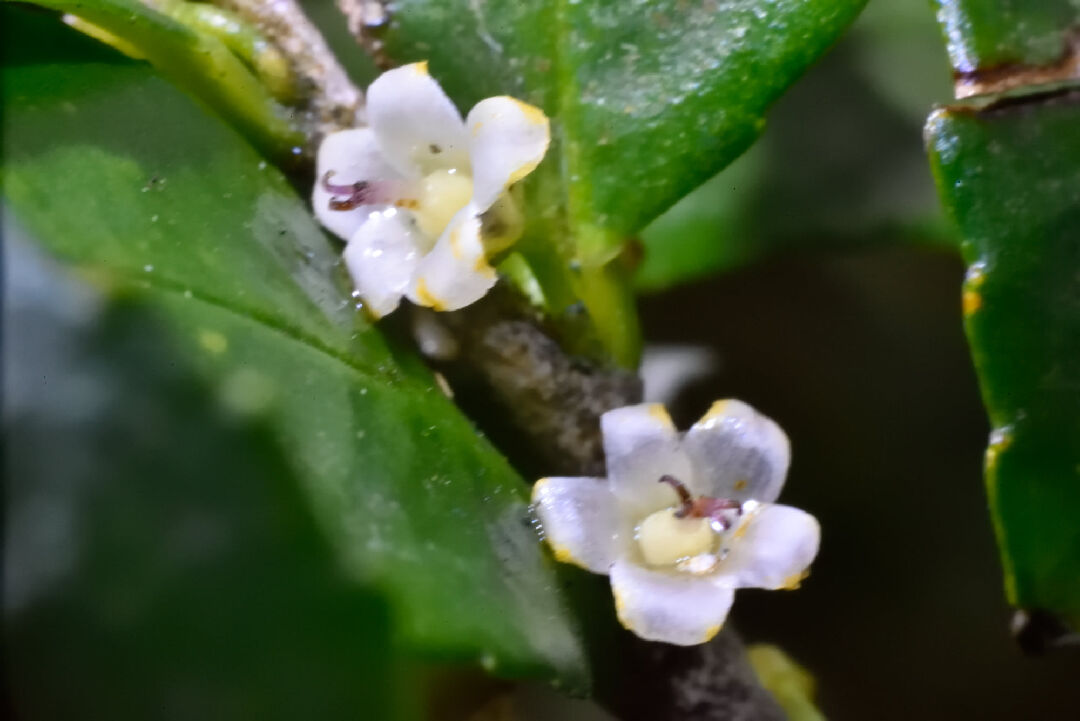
(442, 194)
(665, 539)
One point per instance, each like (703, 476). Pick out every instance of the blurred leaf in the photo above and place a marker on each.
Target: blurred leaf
(789, 683)
(900, 52)
(652, 98)
(707, 231)
(198, 62)
(1009, 176)
(126, 180)
(987, 34)
(806, 185)
(160, 559)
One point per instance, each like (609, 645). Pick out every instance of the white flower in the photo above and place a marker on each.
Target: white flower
(416, 193)
(682, 520)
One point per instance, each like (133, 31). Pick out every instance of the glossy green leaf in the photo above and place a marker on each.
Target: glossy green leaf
(987, 34)
(1010, 177)
(651, 99)
(125, 179)
(648, 101)
(160, 560)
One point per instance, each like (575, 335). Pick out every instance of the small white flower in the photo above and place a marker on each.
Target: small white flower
(682, 520)
(411, 193)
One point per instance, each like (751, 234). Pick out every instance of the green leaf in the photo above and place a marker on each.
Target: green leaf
(706, 231)
(1009, 175)
(651, 99)
(129, 182)
(806, 185)
(988, 34)
(648, 101)
(160, 558)
(200, 63)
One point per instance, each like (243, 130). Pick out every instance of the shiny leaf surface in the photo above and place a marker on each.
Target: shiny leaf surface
(1010, 177)
(988, 34)
(651, 99)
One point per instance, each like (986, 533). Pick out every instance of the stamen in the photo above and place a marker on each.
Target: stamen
(685, 499)
(713, 509)
(703, 506)
(357, 193)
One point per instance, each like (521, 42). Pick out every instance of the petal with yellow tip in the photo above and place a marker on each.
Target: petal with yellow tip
(681, 609)
(456, 272)
(773, 549)
(578, 519)
(738, 453)
(507, 140)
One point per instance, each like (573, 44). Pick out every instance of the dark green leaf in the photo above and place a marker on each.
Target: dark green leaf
(160, 559)
(987, 34)
(127, 181)
(1010, 177)
(651, 99)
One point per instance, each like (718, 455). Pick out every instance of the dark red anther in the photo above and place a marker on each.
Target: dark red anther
(702, 506)
(685, 499)
(713, 509)
(357, 193)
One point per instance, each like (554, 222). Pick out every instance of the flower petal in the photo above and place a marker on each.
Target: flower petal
(678, 608)
(349, 156)
(507, 140)
(381, 258)
(578, 515)
(738, 453)
(418, 127)
(772, 548)
(456, 272)
(641, 445)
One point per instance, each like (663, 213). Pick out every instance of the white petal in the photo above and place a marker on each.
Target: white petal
(641, 445)
(418, 127)
(456, 272)
(678, 608)
(773, 548)
(738, 453)
(507, 140)
(382, 257)
(350, 156)
(578, 516)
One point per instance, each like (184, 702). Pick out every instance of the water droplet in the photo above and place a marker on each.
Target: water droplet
(148, 268)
